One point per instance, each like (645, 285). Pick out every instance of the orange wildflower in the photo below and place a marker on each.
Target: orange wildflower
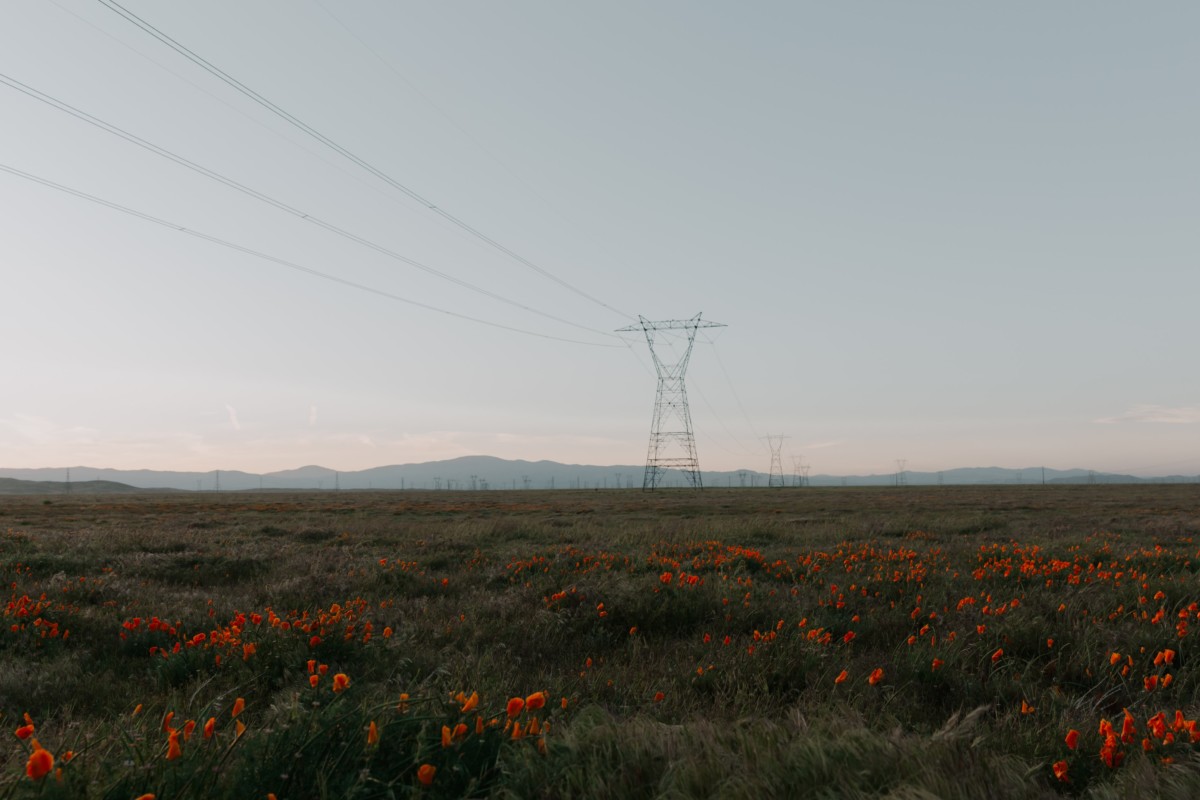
(514, 706)
(239, 729)
(447, 738)
(340, 682)
(166, 723)
(188, 728)
(876, 676)
(174, 749)
(209, 727)
(40, 762)
(1114, 658)
(1072, 739)
(238, 706)
(24, 732)
(1060, 771)
(471, 702)
(1150, 682)
(937, 664)
(313, 680)
(1026, 708)
(425, 774)
(841, 677)
(403, 705)
(137, 710)
(996, 656)
(535, 701)
(658, 697)
(373, 734)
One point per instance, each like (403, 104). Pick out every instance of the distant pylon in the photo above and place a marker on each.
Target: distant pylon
(776, 444)
(672, 443)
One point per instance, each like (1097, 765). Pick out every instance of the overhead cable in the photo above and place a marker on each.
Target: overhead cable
(281, 261)
(257, 195)
(199, 61)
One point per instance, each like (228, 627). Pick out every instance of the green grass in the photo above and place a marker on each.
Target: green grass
(688, 644)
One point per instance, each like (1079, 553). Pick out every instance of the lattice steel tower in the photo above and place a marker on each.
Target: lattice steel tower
(672, 444)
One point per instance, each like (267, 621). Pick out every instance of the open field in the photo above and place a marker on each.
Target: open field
(747, 643)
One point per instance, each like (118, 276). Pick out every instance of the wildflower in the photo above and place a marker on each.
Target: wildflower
(425, 774)
(372, 734)
(1060, 771)
(188, 728)
(840, 678)
(849, 637)
(1150, 682)
(239, 730)
(312, 666)
(875, 677)
(137, 710)
(514, 706)
(1072, 739)
(174, 749)
(447, 737)
(238, 705)
(1128, 727)
(535, 701)
(658, 697)
(166, 723)
(24, 732)
(1114, 658)
(469, 703)
(996, 656)
(403, 706)
(313, 680)
(340, 681)
(40, 762)
(937, 664)
(209, 727)
(1026, 708)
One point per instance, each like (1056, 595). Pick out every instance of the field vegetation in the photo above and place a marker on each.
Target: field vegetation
(1017, 641)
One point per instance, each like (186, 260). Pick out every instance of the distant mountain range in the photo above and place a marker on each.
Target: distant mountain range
(487, 472)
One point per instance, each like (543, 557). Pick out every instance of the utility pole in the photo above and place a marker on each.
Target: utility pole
(672, 443)
(775, 477)
(901, 478)
(68, 480)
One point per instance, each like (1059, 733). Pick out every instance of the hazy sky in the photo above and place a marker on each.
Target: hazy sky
(958, 234)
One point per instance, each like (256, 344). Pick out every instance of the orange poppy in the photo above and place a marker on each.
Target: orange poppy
(1060, 771)
(471, 702)
(535, 701)
(876, 676)
(174, 749)
(514, 706)
(24, 732)
(1072, 738)
(373, 734)
(40, 762)
(238, 706)
(425, 774)
(340, 681)
(841, 677)
(996, 656)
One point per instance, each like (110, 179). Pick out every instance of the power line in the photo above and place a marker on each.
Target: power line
(163, 152)
(281, 261)
(330, 143)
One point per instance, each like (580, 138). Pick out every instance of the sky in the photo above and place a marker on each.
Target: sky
(953, 234)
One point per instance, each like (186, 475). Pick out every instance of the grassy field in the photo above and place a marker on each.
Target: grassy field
(908, 643)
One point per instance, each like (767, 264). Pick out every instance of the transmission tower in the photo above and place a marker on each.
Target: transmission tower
(901, 478)
(776, 444)
(672, 443)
